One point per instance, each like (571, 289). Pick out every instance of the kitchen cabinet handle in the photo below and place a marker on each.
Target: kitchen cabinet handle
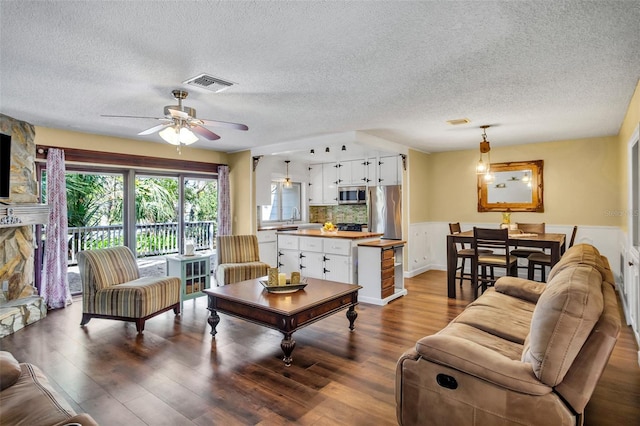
(326, 270)
(302, 266)
(325, 258)
(302, 256)
(630, 263)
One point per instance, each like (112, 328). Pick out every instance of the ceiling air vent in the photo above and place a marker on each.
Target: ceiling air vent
(209, 82)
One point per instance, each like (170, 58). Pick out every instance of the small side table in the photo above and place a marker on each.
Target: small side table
(194, 272)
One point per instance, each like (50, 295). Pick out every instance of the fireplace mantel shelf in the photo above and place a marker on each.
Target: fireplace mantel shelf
(23, 214)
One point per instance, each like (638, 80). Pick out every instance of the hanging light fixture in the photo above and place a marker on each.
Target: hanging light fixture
(287, 180)
(484, 167)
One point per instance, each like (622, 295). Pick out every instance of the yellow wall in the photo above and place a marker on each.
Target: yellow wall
(417, 178)
(68, 139)
(243, 210)
(581, 183)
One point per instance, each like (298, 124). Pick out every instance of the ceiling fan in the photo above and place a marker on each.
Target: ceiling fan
(179, 125)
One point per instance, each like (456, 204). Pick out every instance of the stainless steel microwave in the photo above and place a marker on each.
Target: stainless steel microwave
(352, 195)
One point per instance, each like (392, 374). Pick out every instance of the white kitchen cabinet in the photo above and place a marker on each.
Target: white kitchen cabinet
(371, 166)
(336, 267)
(323, 184)
(389, 170)
(315, 184)
(329, 184)
(380, 271)
(267, 245)
(312, 264)
(288, 254)
(344, 173)
(352, 173)
(333, 259)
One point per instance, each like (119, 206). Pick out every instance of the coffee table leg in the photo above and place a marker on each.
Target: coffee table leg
(213, 321)
(352, 315)
(287, 346)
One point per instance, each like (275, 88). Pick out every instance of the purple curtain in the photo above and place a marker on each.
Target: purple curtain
(224, 201)
(55, 285)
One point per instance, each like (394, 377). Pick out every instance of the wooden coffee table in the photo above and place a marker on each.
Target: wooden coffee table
(284, 312)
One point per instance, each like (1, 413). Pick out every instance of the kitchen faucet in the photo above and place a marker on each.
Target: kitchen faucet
(295, 213)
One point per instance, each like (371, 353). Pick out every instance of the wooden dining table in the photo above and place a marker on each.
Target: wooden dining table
(555, 243)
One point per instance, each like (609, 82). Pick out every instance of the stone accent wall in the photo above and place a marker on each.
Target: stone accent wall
(18, 305)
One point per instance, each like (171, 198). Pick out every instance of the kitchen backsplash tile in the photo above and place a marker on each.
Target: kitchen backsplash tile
(338, 214)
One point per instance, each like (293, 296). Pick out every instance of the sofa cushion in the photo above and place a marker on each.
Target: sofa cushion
(512, 325)
(502, 346)
(562, 320)
(32, 401)
(9, 370)
(492, 297)
(138, 298)
(229, 273)
(584, 254)
(520, 288)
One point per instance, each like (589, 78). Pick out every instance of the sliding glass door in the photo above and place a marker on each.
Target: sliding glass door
(151, 213)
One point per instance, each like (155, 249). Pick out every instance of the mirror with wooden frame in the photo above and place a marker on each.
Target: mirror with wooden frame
(513, 187)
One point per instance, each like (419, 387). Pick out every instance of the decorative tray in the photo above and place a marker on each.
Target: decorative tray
(288, 288)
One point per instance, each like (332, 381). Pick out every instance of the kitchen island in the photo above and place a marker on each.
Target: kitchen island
(314, 253)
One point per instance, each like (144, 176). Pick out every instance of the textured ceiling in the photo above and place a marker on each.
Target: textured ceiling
(535, 70)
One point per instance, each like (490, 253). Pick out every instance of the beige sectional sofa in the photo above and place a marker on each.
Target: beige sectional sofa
(27, 398)
(523, 353)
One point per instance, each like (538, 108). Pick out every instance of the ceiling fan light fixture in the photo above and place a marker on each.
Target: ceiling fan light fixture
(178, 135)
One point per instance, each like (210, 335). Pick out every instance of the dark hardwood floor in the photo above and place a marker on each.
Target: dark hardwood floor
(176, 374)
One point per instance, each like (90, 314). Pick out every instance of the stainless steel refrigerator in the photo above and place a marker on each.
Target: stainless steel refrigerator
(385, 210)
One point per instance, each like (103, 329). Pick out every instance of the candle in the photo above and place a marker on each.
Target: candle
(282, 278)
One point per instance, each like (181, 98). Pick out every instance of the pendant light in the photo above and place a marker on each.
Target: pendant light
(287, 180)
(484, 167)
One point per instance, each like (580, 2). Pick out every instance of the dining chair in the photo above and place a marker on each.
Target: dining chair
(543, 260)
(496, 240)
(464, 253)
(524, 253)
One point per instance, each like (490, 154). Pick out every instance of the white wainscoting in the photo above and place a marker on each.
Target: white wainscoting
(427, 244)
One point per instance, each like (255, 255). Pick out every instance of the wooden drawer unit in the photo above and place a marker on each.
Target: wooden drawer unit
(387, 279)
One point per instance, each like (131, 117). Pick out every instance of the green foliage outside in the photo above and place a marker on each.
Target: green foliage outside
(96, 200)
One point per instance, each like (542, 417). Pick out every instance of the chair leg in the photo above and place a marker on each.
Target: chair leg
(85, 319)
(464, 259)
(543, 273)
(140, 325)
(531, 270)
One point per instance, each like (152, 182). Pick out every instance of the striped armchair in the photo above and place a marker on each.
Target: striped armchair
(239, 259)
(112, 288)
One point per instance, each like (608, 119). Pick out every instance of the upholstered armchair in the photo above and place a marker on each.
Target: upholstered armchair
(239, 259)
(113, 289)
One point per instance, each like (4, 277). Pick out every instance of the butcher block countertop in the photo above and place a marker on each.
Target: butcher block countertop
(349, 235)
(383, 243)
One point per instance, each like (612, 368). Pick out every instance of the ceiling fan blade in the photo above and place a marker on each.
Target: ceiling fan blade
(129, 116)
(153, 129)
(217, 123)
(205, 133)
(179, 114)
